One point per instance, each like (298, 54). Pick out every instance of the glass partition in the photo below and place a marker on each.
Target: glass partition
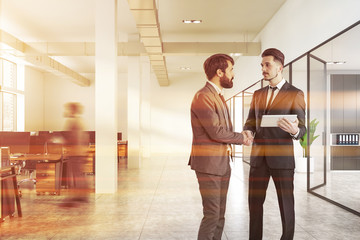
(316, 122)
(239, 108)
(299, 80)
(286, 73)
(247, 97)
(329, 76)
(342, 169)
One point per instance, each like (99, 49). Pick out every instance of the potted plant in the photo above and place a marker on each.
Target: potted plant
(301, 163)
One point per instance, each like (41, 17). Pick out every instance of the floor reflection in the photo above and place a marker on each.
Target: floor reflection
(162, 201)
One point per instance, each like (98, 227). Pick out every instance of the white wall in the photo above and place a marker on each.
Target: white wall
(247, 71)
(34, 100)
(46, 94)
(170, 114)
(57, 92)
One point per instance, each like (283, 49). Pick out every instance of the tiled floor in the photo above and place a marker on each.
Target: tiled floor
(161, 201)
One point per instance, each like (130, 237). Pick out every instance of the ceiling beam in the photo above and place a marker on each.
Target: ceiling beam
(10, 43)
(137, 48)
(80, 48)
(50, 65)
(14, 46)
(147, 22)
(208, 48)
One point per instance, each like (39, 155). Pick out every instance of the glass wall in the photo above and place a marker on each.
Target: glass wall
(239, 108)
(342, 100)
(298, 78)
(329, 76)
(317, 121)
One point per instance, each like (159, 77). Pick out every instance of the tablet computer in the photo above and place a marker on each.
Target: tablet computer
(271, 120)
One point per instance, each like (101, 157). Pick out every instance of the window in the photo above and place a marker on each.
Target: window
(9, 74)
(11, 97)
(9, 110)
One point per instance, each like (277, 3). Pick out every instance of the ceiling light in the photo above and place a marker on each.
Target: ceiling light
(192, 21)
(235, 54)
(185, 68)
(336, 62)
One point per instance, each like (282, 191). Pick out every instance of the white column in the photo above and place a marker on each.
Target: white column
(134, 75)
(145, 109)
(106, 96)
(123, 104)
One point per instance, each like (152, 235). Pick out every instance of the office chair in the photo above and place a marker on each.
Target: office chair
(28, 168)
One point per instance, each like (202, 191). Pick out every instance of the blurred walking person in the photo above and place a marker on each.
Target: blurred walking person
(76, 142)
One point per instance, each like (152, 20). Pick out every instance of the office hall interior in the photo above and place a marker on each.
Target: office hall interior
(134, 67)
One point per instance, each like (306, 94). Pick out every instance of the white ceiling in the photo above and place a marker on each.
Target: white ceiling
(224, 20)
(71, 21)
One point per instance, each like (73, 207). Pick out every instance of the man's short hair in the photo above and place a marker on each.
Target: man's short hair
(276, 53)
(215, 62)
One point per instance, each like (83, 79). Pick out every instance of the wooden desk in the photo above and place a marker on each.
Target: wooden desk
(122, 149)
(89, 166)
(36, 157)
(48, 171)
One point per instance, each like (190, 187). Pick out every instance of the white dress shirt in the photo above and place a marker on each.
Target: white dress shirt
(276, 91)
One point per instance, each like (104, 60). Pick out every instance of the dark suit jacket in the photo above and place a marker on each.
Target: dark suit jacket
(272, 143)
(210, 133)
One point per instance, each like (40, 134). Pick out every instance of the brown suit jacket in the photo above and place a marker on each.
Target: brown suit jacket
(211, 134)
(272, 143)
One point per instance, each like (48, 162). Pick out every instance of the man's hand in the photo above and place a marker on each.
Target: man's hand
(289, 126)
(248, 137)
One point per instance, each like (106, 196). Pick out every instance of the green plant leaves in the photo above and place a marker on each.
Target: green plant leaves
(303, 140)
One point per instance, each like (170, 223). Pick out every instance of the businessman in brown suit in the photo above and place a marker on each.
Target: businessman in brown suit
(212, 136)
(272, 151)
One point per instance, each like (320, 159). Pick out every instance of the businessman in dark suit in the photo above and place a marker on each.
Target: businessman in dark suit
(272, 151)
(212, 136)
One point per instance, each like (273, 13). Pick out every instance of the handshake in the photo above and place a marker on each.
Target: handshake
(248, 137)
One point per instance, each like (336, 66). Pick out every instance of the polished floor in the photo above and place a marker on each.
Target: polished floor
(342, 187)
(161, 201)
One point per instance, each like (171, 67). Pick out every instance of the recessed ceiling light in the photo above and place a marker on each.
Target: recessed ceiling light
(235, 54)
(192, 21)
(185, 68)
(336, 62)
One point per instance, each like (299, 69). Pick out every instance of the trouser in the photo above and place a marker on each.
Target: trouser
(79, 187)
(213, 190)
(284, 184)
